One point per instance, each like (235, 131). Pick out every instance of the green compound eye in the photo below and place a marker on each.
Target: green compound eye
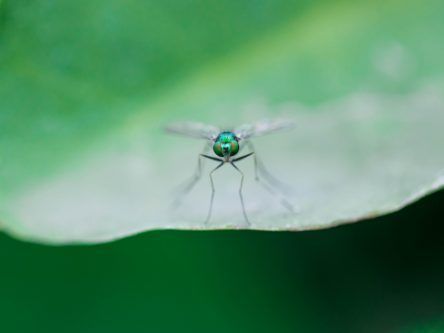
(234, 148)
(217, 148)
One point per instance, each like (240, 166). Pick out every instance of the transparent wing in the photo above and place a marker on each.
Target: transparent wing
(263, 127)
(194, 130)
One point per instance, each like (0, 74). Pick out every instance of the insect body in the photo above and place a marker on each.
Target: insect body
(226, 146)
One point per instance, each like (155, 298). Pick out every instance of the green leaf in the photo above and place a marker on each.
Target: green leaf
(86, 90)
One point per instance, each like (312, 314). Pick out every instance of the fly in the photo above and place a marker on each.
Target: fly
(226, 147)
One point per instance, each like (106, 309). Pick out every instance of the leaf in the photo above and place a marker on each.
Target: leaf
(85, 158)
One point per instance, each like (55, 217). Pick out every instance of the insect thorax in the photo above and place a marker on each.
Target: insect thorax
(226, 144)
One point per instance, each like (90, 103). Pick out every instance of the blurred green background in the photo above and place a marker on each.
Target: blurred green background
(381, 275)
(74, 73)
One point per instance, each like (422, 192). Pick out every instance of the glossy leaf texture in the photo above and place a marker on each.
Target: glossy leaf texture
(87, 88)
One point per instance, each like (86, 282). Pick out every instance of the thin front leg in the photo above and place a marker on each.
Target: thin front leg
(242, 157)
(212, 192)
(240, 190)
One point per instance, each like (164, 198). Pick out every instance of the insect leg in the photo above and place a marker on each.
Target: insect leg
(240, 190)
(212, 192)
(189, 184)
(259, 167)
(242, 157)
(212, 158)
